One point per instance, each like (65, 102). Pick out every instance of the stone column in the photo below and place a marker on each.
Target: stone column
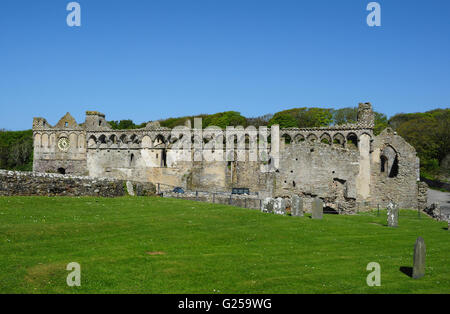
(363, 178)
(317, 208)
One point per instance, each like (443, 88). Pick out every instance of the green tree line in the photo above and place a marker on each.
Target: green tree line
(16, 150)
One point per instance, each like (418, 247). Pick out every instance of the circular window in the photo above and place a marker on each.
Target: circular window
(63, 144)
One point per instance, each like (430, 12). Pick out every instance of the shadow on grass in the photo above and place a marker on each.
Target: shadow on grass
(407, 271)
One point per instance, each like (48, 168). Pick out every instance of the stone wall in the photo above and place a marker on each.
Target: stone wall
(394, 171)
(44, 184)
(318, 170)
(244, 201)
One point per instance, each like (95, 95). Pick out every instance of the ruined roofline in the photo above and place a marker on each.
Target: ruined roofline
(347, 127)
(42, 125)
(96, 122)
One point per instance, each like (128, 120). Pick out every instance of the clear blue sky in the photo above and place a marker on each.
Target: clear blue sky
(151, 59)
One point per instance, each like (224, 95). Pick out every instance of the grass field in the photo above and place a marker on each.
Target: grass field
(155, 245)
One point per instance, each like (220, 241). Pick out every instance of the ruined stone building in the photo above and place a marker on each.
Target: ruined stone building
(347, 166)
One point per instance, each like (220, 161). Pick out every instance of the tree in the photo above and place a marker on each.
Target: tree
(315, 117)
(429, 133)
(381, 122)
(284, 120)
(224, 119)
(260, 121)
(345, 115)
(305, 117)
(16, 150)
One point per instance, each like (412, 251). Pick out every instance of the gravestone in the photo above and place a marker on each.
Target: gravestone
(130, 188)
(267, 205)
(279, 207)
(297, 206)
(392, 215)
(419, 258)
(317, 208)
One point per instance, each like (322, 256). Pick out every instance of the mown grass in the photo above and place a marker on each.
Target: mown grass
(205, 248)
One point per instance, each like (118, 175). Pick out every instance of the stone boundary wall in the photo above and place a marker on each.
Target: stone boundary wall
(243, 201)
(18, 183)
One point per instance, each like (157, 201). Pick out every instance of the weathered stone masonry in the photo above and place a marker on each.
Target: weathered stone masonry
(346, 166)
(14, 183)
(43, 184)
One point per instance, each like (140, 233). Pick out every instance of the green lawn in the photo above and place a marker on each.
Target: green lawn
(208, 249)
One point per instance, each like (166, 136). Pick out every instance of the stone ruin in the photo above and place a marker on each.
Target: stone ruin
(346, 166)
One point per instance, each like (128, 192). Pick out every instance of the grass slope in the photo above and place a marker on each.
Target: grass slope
(207, 249)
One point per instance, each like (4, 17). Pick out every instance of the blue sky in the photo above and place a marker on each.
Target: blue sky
(152, 59)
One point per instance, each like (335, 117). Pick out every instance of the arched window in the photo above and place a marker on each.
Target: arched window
(325, 139)
(312, 138)
(389, 162)
(102, 139)
(286, 138)
(352, 141)
(299, 138)
(339, 140)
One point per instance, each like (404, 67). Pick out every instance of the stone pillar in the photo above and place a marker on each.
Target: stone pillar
(297, 206)
(419, 258)
(363, 178)
(392, 215)
(317, 208)
(280, 206)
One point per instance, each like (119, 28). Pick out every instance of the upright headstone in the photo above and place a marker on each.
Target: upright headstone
(267, 205)
(317, 208)
(130, 189)
(392, 215)
(297, 206)
(419, 258)
(280, 206)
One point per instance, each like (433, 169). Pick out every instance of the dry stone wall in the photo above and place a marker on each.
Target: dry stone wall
(14, 183)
